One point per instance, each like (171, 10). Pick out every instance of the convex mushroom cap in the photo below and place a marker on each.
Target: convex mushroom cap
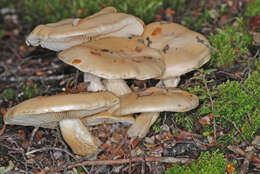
(69, 32)
(156, 100)
(46, 111)
(183, 50)
(115, 58)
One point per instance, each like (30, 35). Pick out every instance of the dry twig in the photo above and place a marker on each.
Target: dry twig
(130, 160)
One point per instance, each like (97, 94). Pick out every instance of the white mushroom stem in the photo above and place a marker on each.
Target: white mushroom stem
(167, 83)
(94, 81)
(78, 137)
(142, 124)
(118, 87)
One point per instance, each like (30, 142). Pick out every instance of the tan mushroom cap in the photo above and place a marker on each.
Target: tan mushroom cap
(69, 32)
(78, 137)
(181, 48)
(105, 117)
(115, 58)
(46, 111)
(157, 100)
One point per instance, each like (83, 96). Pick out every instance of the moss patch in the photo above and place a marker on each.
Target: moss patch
(207, 163)
(230, 42)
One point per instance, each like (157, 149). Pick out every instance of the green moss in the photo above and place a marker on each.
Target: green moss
(30, 91)
(235, 104)
(9, 94)
(187, 119)
(207, 163)
(230, 42)
(253, 8)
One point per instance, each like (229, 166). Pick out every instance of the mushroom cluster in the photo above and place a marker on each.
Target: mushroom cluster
(110, 47)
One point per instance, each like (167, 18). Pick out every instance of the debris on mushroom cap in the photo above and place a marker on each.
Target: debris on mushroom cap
(115, 58)
(46, 111)
(69, 32)
(78, 137)
(142, 124)
(157, 100)
(105, 117)
(183, 50)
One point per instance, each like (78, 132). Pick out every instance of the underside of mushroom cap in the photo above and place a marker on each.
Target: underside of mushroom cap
(105, 117)
(115, 58)
(182, 49)
(69, 32)
(157, 100)
(46, 111)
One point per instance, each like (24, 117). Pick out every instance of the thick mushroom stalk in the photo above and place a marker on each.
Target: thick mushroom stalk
(78, 137)
(168, 83)
(117, 86)
(142, 124)
(94, 82)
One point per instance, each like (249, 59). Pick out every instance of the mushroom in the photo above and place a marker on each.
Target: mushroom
(150, 102)
(47, 111)
(69, 32)
(183, 50)
(124, 59)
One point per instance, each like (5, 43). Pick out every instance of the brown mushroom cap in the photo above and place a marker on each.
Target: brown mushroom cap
(46, 111)
(115, 58)
(181, 48)
(69, 32)
(157, 100)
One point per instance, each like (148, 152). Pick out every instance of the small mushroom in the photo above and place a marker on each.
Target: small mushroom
(69, 32)
(150, 102)
(47, 111)
(183, 50)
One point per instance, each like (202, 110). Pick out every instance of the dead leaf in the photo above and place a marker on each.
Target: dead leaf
(3, 111)
(205, 120)
(256, 37)
(38, 135)
(3, 130)
(230, 168)
(39, 73)
(135, 142)
(21, 133)
(254, 22)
